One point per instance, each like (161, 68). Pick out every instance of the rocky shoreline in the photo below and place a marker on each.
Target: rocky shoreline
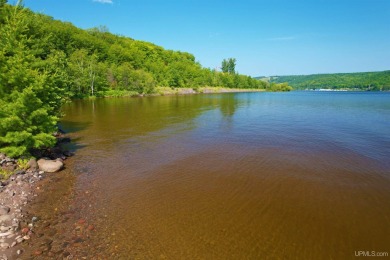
(18, 191)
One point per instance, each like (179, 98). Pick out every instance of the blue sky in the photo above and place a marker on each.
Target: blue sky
(267, 37)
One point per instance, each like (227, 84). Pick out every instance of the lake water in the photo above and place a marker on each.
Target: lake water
(300, 175)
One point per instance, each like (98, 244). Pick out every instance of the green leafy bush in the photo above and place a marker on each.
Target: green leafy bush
(29, 98)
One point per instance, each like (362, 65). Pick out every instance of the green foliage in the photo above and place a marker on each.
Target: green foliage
(229, 65)
(119, 93)
(357, 81)
(29, 98)
(277, 87)
(2, 4)
(124, 77)
(5, 174)
(23, 163)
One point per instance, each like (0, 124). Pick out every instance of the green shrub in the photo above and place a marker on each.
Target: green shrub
(5, 174)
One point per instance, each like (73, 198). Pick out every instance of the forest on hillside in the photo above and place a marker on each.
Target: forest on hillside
(367, 81)
(95, 61)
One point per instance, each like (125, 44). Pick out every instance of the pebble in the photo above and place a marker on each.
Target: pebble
(6, 233)
(81, 221)
(46, 224)
(46, 241)
(52, 232)
(79, 240)
(91, 227)
(38, 252)
(4, 245)
(57, 250)
(5, 218)
(46, 248)
(4, 210)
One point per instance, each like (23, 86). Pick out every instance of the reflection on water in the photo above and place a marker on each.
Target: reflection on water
(233, 176)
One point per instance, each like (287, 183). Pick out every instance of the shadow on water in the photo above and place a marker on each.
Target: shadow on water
(73, 146)
(73, 126)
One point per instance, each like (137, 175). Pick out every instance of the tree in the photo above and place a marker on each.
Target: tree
(229, 65)
(92, 71)
(225, 66)
(84, 69)
(29, 100)
(78, 66)
(232, 65)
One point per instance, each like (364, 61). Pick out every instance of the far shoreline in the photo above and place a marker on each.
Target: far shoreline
(168, 91)
(204, 90)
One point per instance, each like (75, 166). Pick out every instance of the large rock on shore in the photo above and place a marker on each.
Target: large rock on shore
(50, 165)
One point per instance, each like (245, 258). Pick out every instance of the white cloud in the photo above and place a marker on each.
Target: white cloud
(104, 1)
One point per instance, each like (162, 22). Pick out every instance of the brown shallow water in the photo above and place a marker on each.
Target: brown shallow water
(233, 176)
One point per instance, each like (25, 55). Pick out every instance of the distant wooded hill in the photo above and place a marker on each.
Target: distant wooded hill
(371, 81)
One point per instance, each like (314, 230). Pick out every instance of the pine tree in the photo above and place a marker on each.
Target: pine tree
(29, 98)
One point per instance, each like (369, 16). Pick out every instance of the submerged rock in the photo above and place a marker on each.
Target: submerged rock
(50, 165)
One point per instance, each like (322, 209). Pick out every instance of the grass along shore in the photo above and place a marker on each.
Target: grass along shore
(164, 91)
